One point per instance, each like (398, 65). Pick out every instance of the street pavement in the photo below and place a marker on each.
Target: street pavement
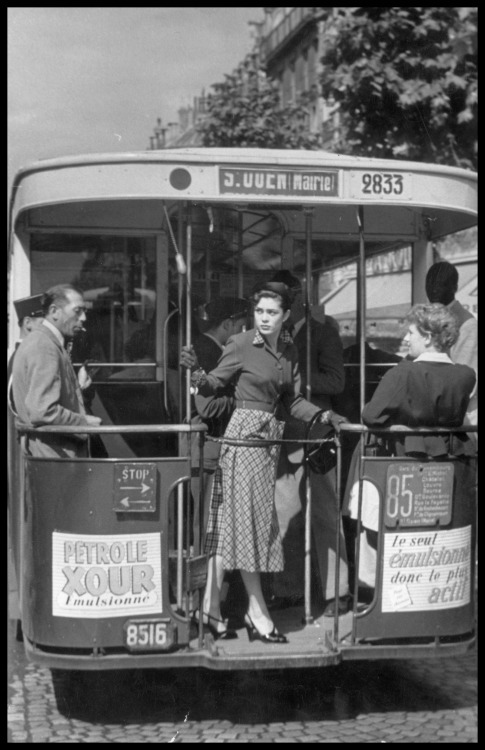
(381, 701)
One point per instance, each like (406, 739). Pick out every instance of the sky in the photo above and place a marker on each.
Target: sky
(95, 80)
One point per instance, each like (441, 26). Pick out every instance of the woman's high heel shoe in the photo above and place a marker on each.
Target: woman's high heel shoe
(255, 635)
(219, 635)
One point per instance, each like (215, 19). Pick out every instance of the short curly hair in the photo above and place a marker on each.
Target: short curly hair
(437, 321)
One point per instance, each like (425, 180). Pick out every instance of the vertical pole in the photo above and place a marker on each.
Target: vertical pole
(422, 259)
(240, 247)
(188, 312)
(180, 233)
(126, 296)
(338, 492)
(208, 271)
(308, 394)
(180, 543)
(161, 309)
(361, 304)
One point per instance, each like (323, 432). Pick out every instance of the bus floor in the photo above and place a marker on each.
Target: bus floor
(306, 640)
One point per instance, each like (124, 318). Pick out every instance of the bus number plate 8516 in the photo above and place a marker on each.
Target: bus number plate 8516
(148, 635)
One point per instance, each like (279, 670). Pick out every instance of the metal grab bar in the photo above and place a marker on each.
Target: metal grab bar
(107, 430)
(173, 428)
(348, 427)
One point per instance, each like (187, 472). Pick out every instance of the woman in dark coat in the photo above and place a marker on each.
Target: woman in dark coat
(243, 528)
(427, 390)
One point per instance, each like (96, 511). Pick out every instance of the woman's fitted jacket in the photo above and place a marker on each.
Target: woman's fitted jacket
(261, 375)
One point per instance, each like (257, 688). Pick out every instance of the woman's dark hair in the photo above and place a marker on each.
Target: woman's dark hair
(437, 321)
(274, 290)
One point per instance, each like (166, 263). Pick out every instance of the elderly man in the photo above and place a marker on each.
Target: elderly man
(46, 390)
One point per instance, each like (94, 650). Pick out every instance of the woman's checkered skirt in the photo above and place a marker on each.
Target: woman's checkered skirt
(243, 526)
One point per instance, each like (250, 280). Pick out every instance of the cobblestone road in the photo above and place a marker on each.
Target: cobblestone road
(414, 701)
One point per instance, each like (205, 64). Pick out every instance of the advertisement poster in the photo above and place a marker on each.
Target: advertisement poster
(426, 570)
(110, 575)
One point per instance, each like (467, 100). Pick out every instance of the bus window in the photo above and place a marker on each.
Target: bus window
(116, 275)
(388, 298)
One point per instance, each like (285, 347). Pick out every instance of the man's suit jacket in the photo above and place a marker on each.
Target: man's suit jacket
(327, 375)
(214, 411)
(46, 392)
(465, 352)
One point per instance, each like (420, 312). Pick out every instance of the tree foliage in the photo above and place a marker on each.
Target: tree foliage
(245, 110)
(405, 80)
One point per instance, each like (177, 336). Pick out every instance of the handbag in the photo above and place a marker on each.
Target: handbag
(320, 457)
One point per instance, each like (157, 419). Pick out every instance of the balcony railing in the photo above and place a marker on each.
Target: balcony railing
(292, 21)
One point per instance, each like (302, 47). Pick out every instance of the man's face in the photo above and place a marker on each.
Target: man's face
(70, 316)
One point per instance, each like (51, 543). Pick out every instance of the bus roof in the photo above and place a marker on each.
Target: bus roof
(246, 155)
(442, 197)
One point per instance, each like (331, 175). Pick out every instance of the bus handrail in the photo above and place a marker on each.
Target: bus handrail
(186, 428)
(400, 428)
(109, 429)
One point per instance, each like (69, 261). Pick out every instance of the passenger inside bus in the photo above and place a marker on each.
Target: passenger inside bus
(223, 318)
(441, 286)
(243, 527)
(426, 390)
(29, 316)
(327, 380)
(46, 390)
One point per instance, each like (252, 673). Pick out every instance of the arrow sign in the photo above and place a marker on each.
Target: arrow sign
(143, 487)
(127, 501)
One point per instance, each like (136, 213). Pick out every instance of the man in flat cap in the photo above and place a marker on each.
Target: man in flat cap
(222, 317)
(29, 315)
(45, 388)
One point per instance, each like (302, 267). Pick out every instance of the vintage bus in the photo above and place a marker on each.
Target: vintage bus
(107, 564)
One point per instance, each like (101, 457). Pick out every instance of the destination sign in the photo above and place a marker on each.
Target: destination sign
(419, 494)
(311, 183)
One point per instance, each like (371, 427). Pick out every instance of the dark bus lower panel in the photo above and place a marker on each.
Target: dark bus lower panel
(309, 647)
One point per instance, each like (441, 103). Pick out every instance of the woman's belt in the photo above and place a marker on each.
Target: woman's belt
(258, 405)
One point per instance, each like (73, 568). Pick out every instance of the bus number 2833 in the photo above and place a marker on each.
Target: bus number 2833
(377, 183)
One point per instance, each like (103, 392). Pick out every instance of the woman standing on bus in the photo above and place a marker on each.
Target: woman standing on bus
(243, 527)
